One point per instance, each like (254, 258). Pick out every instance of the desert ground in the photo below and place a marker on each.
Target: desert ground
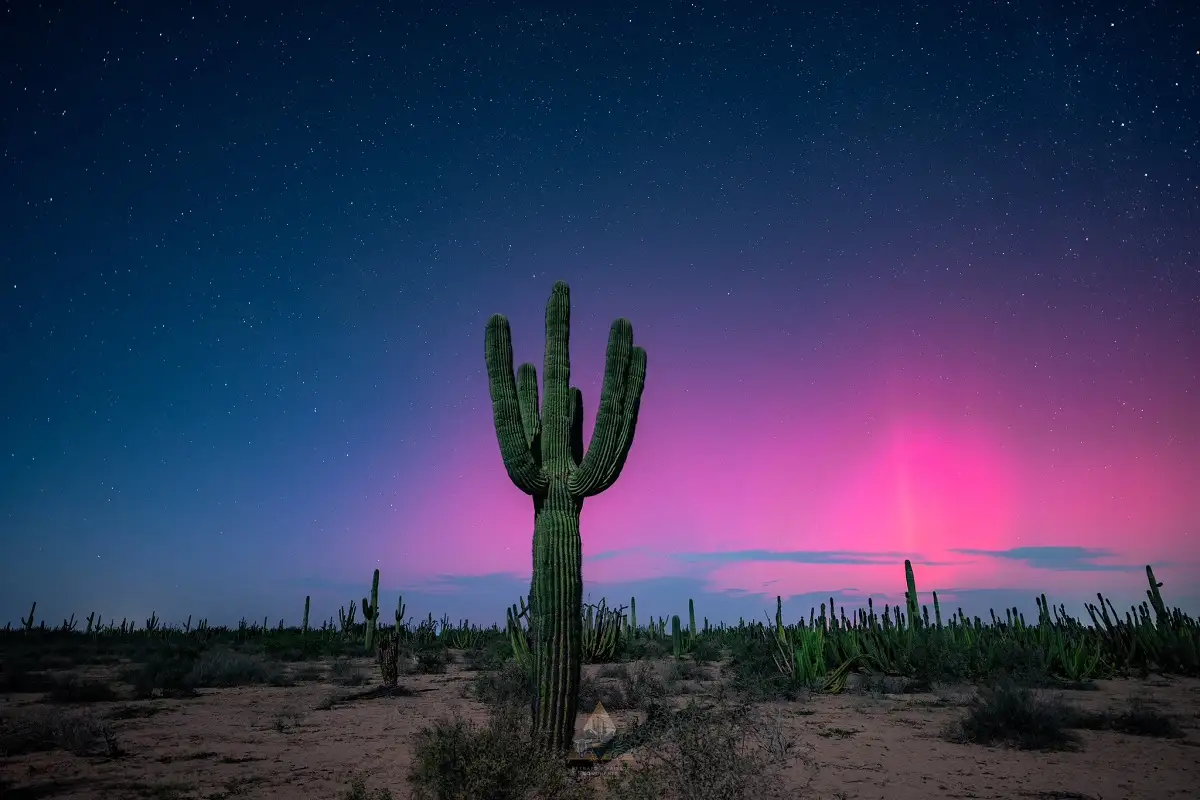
(329, 729)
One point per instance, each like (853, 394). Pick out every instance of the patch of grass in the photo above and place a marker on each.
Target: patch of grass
(1015, 716)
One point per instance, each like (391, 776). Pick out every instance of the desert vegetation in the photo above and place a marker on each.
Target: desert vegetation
(700, 709)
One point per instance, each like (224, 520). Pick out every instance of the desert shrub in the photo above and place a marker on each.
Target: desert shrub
(226, 668)
(705, 651)
(358, 791)
(167, 671)
(499, 761)
(43, 730)
(345, 672)
(19, 676)
(492, 654)
(720, 752)
(754, 674)
(74, 689)
(1135, 718)
(641, 648)
(510, 685)
(431, 660)
(1013, 715)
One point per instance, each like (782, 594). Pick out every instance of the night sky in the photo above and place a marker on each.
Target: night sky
(921, 282)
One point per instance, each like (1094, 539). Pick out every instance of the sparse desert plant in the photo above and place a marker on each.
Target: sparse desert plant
(717, 752)
(1016, 716)
(75, 689)
(500, 760)
(344, 672)
(358, 791)
(226, 668)
(39, 730)
(509, 685)
(431, 660)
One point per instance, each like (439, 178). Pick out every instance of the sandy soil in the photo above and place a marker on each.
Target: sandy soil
(294, 743)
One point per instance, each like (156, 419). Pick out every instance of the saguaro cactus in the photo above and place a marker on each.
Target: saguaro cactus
(542, 450)
(370, 611)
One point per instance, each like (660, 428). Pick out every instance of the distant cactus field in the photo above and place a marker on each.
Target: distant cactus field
(819, 652)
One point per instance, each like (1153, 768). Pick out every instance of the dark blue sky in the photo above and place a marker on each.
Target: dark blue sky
(915, 281)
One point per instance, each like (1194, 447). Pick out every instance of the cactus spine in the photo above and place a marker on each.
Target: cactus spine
(370, 612)
(543, 453)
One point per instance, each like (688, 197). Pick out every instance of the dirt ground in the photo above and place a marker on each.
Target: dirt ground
(297, 742)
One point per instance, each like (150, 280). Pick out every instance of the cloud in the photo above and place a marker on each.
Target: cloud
(1067, 559)
(795, 556)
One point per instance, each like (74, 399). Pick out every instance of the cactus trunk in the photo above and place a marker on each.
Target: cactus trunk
(556, 614)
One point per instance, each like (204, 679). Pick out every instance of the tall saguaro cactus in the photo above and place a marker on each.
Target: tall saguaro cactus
(542, 450)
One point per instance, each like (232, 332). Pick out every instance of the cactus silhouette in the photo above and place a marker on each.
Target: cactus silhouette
(370, 610)
(542, 450)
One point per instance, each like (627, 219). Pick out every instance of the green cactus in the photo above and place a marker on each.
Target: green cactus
(544, 456)
(1162, 616)
(370, 612)
(633, 631)
(676, 637)
(304, 626)
(691, 621)
(914, 610)
(399, 613)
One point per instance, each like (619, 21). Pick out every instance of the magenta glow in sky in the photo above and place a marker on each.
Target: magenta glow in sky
(986, 462)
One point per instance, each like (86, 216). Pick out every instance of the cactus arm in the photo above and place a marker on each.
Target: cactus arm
(616, 419)
(527, 399)
(556, 380)
(518, 459)
(576, 426)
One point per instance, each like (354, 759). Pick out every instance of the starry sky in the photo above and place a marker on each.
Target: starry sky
(920, 282)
